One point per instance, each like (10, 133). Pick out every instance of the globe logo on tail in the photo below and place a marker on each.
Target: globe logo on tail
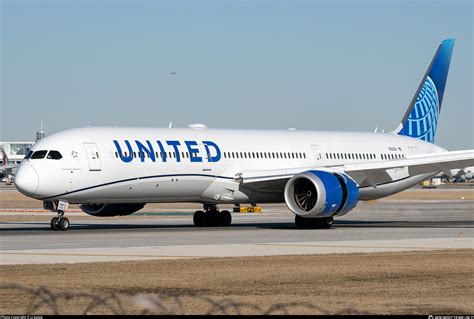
(423, 118)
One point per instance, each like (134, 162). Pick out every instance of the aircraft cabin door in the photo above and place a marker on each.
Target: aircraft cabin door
(93, 156)
(317, 153)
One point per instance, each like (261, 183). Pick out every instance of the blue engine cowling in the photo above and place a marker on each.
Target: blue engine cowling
(321, 194)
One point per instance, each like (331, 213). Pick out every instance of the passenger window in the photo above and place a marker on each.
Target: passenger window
(55, 155)
(38, 154)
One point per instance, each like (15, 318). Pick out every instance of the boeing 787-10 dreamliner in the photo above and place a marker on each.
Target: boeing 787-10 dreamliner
(111, 171)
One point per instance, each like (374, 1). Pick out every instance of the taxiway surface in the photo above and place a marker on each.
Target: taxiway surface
(384, 225)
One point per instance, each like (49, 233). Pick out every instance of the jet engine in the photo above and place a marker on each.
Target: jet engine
(108, 210)
(321, 194)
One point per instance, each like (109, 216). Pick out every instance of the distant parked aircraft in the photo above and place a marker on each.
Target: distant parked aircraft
(7, 168)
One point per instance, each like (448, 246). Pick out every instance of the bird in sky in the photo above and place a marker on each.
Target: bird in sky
(173, 73)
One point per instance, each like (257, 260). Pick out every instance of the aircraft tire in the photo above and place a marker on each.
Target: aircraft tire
(326, 223)
(199, 218)
(300, 222)
(213, 219)
(313, 223)
(54, 223)
(225, 218)
(64, 224)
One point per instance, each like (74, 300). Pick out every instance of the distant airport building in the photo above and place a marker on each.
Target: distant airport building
(15, 151)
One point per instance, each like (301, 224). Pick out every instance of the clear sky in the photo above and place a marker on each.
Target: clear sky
(322, 65)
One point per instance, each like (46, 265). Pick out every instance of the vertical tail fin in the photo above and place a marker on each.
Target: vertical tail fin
(421, 118)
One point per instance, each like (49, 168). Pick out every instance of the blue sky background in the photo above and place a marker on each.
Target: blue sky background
(322, 65)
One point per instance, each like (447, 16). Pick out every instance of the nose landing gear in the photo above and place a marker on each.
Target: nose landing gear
(60, 222)
(210, 216)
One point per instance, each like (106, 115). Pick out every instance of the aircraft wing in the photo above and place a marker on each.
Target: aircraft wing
(365, 174)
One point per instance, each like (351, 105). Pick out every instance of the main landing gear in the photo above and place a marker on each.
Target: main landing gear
(210, 216)
(313, 223)
(60, 222)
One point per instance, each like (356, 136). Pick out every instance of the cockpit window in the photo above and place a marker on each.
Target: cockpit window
(39, 154)
(28, 155)
(55, 155)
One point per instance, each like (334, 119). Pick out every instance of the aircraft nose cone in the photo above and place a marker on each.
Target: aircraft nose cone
(26, 179)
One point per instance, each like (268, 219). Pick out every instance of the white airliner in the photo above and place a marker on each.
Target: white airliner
(113, 171)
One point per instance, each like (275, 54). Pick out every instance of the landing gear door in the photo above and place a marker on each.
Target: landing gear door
(93, 156)
(317, 153)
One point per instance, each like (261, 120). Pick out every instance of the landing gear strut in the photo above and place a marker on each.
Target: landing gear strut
(210, 216)
(60, 222)
(313, 223)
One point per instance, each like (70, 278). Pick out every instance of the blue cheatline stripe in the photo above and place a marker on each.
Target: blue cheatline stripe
(134, 179)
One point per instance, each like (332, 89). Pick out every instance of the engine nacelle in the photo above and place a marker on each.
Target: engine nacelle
(321, 194)
(109, 210)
